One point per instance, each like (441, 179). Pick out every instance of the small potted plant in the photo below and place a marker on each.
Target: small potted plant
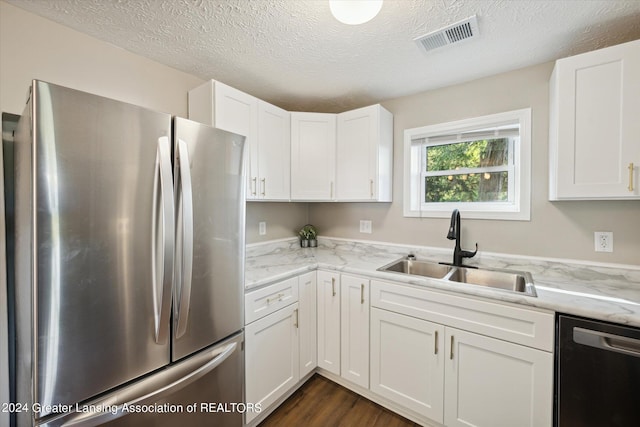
(308, 236)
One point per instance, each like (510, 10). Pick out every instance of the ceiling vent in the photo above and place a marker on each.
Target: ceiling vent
(464, 30)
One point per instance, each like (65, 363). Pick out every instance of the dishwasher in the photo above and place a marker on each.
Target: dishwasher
(597, 374)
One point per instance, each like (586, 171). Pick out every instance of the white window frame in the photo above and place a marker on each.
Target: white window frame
(519, 208)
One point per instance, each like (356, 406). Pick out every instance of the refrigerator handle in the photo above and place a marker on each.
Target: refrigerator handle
(145, 392)
(163, 247)
(186, 260)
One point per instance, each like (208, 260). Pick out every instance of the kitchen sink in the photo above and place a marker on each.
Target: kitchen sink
(514, 281)
(505, 280)
(418, 268)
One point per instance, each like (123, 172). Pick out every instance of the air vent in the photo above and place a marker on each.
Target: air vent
(455, 33)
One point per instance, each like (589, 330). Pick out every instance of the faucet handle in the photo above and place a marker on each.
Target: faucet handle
(469, 254)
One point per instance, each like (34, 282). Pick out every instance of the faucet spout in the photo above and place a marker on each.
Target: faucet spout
(454, 234)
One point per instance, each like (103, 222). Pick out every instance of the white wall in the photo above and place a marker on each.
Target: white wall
(32, 47)
(35, 48)
(558, 229)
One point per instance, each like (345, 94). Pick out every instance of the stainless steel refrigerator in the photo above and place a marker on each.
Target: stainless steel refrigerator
(129, 265)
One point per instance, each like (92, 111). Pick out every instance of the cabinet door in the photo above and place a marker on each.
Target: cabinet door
(313, 156)
(594, 126)
(271, 357)
(407, 362)
(354, 319)
(237, 112)
(274, 152)
(307, 323)
(221, 106)
(493, 383)
(329, 321)
(364, 155)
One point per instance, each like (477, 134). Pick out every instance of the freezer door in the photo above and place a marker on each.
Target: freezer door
(202, 390)
(209, 269)
(93, 259)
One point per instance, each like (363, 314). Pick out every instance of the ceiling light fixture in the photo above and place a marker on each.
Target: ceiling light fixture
(354, 12)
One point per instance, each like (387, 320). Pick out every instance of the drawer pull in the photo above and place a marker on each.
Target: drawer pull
(296, 321)
(435, 343)
(631, 166)
(361, 293)
(451, 354)
(333, 286)
(276, 298)
(253, 187)
(264, 186)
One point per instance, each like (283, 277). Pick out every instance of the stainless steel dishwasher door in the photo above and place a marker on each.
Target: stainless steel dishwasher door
(597, 374)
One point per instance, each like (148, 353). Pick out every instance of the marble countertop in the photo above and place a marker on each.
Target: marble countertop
(605, 292)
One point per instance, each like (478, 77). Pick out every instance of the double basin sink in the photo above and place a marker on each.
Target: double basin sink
(519, 282)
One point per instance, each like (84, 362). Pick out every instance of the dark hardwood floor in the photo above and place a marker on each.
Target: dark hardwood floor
(321, 403)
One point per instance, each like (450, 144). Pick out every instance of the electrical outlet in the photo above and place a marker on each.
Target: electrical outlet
(365, 226)
(603, 241)
(262, 228)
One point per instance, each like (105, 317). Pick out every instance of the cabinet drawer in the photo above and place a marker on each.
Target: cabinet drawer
(518, 325)
(261, 302)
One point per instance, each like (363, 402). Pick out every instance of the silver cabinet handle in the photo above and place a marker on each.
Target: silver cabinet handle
(254, 181)
(296, 321)
(435, 343)
(276, 298)
(162, 261)
(264, 186)
(331, 190)
(333, 286)
(631, 167)
(605, 341)
(371, 187)
(185, 239)
(451, 354)
(361, 293)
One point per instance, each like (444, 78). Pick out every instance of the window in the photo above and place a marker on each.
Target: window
(480, 166)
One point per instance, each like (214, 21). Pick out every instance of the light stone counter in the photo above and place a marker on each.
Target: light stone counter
(605, 292)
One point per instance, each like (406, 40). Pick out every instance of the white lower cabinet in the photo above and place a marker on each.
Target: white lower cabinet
(457, 377)
(307, 323)
(280, 340)
(407, 362)
(354, 330)
(436, 357)
(493, 383)
(271, 357)
(329, 321)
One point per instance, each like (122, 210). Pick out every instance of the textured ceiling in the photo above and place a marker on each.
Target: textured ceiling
(294, 54)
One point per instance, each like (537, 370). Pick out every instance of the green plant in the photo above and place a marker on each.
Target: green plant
(308, 232)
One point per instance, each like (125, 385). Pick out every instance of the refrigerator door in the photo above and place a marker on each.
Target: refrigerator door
(94, 244)
(209, 268)
(202, 390)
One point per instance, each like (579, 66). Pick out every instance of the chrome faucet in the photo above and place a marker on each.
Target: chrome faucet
(454, 234)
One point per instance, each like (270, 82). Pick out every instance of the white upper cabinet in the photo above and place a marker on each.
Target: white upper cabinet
(594, 131)
(313, 156)
(303, 156)
(364, 155)
(221, 106)
(271, 177)
(266, 127)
